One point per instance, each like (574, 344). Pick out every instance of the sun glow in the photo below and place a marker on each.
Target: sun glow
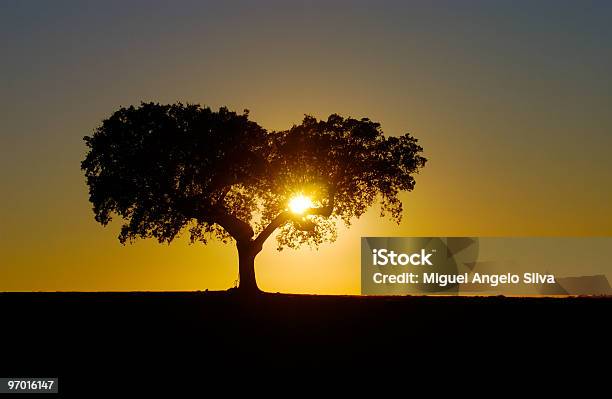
(299, 204)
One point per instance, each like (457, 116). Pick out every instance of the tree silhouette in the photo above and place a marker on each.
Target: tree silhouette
(170, 168)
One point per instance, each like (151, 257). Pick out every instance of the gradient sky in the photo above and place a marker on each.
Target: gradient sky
(511, 101)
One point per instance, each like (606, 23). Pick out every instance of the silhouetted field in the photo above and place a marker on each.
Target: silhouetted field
(83, 336)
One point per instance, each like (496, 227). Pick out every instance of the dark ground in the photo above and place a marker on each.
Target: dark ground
(83, 337)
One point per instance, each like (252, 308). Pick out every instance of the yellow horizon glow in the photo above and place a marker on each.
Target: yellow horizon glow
(501, 163)
(299, 203)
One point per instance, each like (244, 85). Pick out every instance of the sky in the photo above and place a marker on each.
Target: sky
(510, 99)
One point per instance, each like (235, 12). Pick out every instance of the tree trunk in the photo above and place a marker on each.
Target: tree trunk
(246, 269)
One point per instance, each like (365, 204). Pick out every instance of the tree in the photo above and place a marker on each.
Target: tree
(165, 169)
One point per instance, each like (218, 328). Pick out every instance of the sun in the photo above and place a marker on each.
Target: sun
(299, 203)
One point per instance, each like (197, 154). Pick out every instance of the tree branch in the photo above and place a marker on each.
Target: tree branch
(237, 228)
(277, 222)
(285, 217)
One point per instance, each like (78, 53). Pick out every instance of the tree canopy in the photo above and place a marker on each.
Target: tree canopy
(165, 169)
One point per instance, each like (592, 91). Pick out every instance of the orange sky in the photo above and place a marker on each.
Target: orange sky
(510, 105)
